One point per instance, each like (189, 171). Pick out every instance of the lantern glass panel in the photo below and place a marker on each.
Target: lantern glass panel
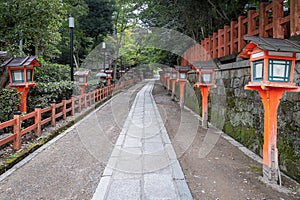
(207, 78)
(258, 71)
(279, 70)
(182, 75)
(17, 76)
(174, 75)
(81, 79)
(29, 75)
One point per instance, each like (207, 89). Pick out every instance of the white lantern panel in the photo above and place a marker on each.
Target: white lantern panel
(81, 79)
(258, 70)
(29, 75)
(17, 76)
(182, 75)
(206, 78)
(279, 70)
(174, 75)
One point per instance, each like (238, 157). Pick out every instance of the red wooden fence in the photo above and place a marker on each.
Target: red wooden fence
(55, 111)
(268, 21)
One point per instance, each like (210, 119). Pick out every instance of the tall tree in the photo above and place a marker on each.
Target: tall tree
(34, 23)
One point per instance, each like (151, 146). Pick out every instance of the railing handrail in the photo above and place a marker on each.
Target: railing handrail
(85, 99)
(268, 21)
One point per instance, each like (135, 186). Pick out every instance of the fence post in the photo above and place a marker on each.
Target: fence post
(79, 103)
(251, 22)
(277, 11)
(84, 100)
(226, 40)
(233, 36)
(94, 95)
(37, 120)
(241, 33)
(73, 105)
(53, 112)
(263, 19)
(17, 130)
(295, 17)
(64, 108)
(215, 45)
(220, 43)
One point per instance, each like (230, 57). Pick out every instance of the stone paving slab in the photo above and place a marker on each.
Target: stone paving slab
(143, 164)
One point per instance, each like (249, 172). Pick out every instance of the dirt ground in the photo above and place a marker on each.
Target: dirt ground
(226, 172)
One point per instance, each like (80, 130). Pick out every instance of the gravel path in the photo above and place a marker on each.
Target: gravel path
(214, 169)
(71, 167)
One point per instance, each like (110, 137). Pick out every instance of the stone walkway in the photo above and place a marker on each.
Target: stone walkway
(143, 164)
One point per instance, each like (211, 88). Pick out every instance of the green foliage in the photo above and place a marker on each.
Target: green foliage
(44, 93)
(34, 22)
(53, 83)
(51, 72)
(9, 102)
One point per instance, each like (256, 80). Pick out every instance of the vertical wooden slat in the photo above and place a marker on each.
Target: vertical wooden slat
(278, 30)
(226, 40)
(251, 22)
(215, 45)
(241, 33)
(295, 17)
(220, 42)
(263, 19)
(233, 36)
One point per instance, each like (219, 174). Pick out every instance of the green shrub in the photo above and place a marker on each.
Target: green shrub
(9, 102)
(44, 93)
(51, 72)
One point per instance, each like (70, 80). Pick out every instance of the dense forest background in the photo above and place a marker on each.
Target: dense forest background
(41, 27)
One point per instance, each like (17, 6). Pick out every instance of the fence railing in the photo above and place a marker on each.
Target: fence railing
(271, 20)
(43, 116)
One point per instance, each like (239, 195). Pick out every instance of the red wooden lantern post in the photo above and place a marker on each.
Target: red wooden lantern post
(174, 77)
(205, 81)
(272, 72)
(182, 79)
(109, 76)
(167, 78)
(21, 73)
(82, 79)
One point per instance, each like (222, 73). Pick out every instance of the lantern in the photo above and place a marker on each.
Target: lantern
(272, 63)
(182, 79)
(82, 79)
(21, 76)
(205, 81)
(109, 76)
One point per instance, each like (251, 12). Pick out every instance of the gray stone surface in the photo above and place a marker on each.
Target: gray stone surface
(143, 163)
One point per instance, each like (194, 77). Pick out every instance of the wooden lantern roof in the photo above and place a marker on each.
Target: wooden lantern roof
(204, 65)
(82, 73)
(183, 68)
(269, 44)
(30, 61)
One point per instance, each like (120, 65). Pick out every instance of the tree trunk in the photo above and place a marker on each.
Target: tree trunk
(4, 79)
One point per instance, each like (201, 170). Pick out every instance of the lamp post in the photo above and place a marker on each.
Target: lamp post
(205, 81)
(272, 63)
(182, 79)
(21, 73)
(104, 47)
(71, 26)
